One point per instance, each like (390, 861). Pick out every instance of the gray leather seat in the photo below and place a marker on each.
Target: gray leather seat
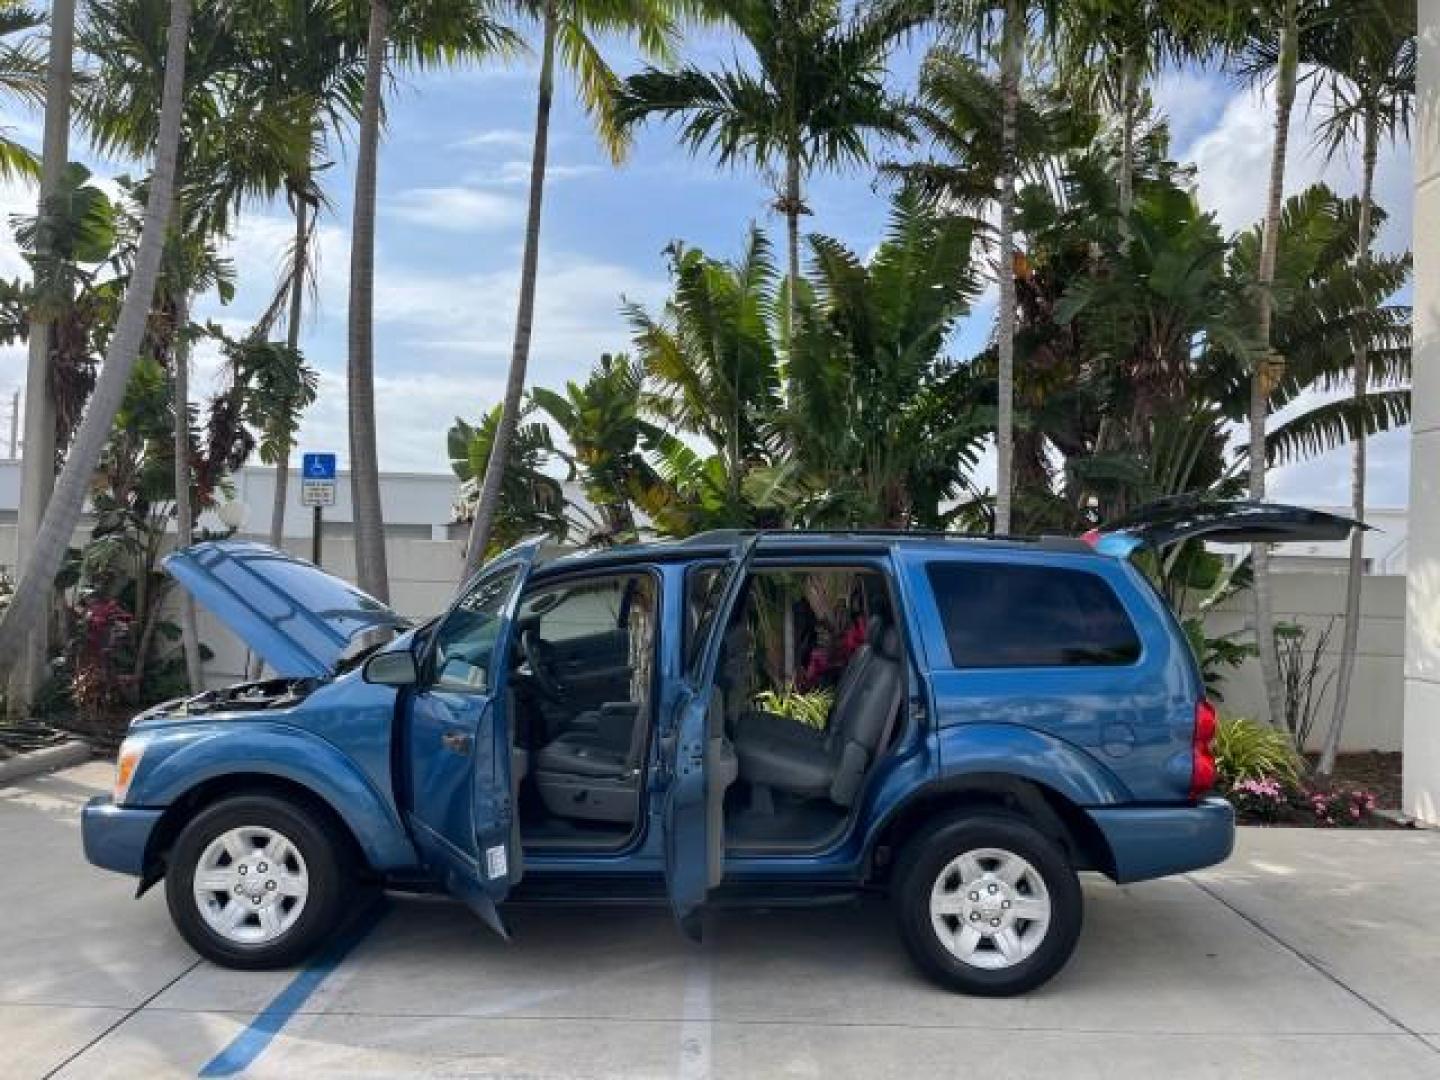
(593, 772)
(788, 756)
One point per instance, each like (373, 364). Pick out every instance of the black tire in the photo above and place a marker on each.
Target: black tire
(932, 851)
(327, 865)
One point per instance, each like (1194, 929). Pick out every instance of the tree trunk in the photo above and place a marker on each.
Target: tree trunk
(37, 469)
(292, 339)
(1260, 379)
(489, 504)
(793, 206)
(63, 512)
(370, 568)
(1010, 60)
(184, 513)
(1355, 572)
(1130, 97)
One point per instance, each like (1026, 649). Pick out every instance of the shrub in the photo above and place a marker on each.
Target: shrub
(1246, 750)
(1260, 800)
(1338, 806)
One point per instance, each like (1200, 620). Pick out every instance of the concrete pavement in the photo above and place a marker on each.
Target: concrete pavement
(1308, 955)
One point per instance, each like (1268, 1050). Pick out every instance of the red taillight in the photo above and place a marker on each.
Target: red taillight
(1202, 757)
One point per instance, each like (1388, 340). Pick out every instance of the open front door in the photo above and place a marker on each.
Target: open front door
(702, 763)
(458, 741)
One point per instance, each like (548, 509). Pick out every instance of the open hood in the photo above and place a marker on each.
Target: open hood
(298, 618)
(1225, 521)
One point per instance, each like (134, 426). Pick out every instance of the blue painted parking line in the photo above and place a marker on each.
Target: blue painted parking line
(251, 1043)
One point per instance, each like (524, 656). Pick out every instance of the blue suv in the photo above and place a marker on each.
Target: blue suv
(748, 718)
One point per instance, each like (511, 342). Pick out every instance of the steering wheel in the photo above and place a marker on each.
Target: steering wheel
(540, 655)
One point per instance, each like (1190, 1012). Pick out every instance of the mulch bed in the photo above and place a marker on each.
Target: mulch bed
(1373, 770)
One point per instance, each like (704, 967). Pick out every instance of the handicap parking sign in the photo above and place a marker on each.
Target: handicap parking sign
(318, 467)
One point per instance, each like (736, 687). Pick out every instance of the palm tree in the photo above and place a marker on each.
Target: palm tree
(63, 511)
(816, 95)
(37, 480)
(312, 68)
(1109, 49)
(572, 28)
(370, 569)
(1006, 24)
(431, 33)
(1270, 50)
(1370, 76)
(26, 78)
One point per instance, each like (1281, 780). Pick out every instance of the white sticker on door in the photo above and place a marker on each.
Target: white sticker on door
(495, 863)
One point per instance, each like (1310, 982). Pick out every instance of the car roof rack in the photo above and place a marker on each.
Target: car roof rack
(719, 537)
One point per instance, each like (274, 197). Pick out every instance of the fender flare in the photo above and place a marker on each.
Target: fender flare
(994, 759)
(216, 751)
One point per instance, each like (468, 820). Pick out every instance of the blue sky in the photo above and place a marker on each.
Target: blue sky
(453, 168)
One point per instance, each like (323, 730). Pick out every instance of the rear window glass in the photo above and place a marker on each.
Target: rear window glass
(1004, 616)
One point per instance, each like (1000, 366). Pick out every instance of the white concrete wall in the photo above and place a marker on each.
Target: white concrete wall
(1422, 609)
(1375, 717)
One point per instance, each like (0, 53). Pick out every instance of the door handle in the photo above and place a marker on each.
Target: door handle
(457, 742)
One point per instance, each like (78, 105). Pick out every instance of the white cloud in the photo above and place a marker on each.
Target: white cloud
(517, 172)
(577, 315)
(455, 209)
(507, 138)
(1233, 162)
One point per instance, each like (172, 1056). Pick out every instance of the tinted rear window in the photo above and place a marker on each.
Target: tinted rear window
(1004, 616)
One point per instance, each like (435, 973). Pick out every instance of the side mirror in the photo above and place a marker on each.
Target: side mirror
(391, 669)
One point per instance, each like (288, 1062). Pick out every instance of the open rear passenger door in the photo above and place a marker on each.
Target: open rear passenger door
(701, 763)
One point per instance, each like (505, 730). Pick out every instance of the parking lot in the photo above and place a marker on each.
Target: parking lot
(1309, 954)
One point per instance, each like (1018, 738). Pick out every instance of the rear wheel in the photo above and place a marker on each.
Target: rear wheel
(987, 904)
(256, 881)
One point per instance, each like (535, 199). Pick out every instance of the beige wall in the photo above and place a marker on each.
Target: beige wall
(423, 578)
(1311, 599)
(1422, 645)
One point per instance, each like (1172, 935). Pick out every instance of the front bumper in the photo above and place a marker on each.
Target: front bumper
(117, 837)
(1153, 841)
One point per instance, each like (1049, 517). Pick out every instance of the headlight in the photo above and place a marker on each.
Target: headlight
(131, 750)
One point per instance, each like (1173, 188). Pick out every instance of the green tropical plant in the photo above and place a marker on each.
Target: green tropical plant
(23, 81)
(876, 426)
(602, 420)
(63, 510)
(814, 95)
(712, 355)
(808, 707)
(532, 500)
(1246, 750)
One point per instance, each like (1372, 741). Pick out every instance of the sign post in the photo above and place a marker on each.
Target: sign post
(317, 491)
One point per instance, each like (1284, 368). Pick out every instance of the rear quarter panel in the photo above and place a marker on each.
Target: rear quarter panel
(1110, 734)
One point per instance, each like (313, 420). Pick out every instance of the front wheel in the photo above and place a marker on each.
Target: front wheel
(987, 904)
(256, 882)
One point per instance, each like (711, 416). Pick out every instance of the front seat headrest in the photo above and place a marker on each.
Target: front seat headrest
(888, 643)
